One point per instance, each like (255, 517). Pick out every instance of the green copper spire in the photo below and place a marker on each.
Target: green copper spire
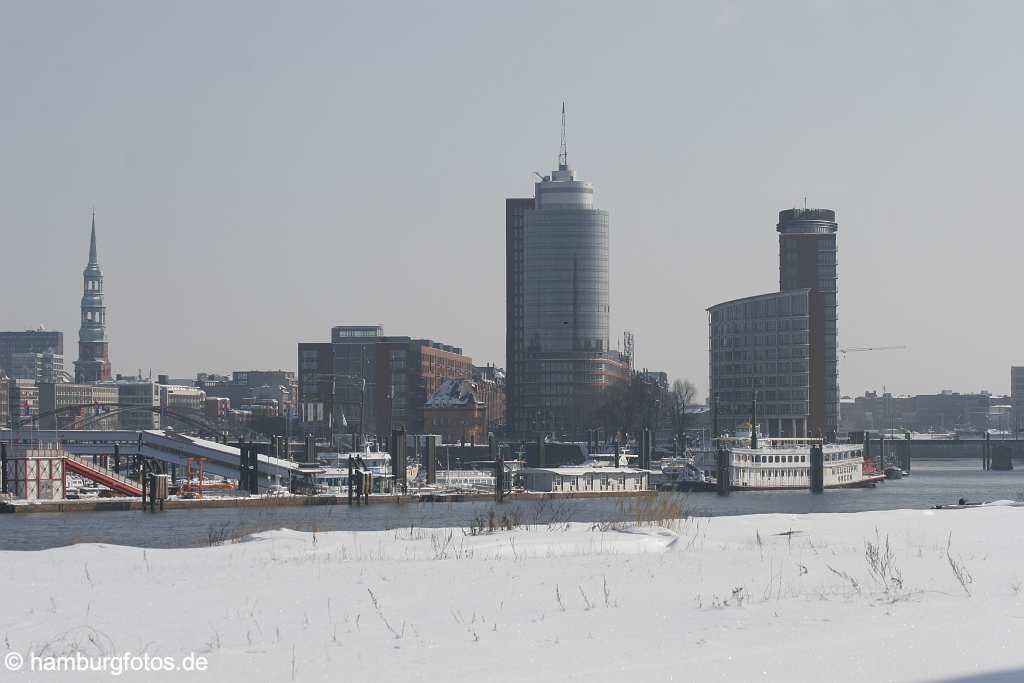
(92, 243)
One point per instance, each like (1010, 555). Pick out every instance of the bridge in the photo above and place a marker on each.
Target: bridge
(165, 446)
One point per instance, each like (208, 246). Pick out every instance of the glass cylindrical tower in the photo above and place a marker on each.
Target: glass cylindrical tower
(566, 275)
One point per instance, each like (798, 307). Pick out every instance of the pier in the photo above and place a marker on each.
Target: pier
(994, 454)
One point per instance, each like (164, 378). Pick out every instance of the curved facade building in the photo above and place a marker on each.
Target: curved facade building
(760, 345)
(566, 268)
(807, 260)
(781, 347)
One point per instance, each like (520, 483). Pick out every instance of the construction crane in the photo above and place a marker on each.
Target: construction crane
(855, 349)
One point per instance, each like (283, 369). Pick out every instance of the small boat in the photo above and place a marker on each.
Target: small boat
(682, 474)
(893, 472)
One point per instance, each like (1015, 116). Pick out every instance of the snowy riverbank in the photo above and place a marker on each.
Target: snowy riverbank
(897, 595)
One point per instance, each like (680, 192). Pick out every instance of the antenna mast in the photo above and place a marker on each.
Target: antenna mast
(563, 156)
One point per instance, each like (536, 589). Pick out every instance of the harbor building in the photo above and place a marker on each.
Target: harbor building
(557, 303)
(93, 364)
(781, 348)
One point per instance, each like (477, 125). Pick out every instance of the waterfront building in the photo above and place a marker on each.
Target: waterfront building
(354, 378)
(316, 387)
(93, 364)
(371, 383)
(457, 412)
(39, 340)
(781, 348)
(807, 260)
(559, 358)
(761, 344)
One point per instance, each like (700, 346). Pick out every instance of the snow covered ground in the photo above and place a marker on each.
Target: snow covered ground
(877, 596)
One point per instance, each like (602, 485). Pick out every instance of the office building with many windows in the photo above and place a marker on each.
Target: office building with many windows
(760, 344)
(557, 305)
(369, 383)
(39, 341)
(807, 260)
(781, 348)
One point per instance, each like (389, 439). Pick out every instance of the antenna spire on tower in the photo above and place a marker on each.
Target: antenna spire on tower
(563, 156)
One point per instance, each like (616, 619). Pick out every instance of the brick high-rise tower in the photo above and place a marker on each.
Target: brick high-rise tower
(93, 364)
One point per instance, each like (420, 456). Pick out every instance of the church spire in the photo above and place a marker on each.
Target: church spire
(92, 242)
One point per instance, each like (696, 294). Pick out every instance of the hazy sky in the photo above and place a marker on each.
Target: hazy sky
(263, 171)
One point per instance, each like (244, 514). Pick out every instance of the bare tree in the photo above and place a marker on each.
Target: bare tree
(681, 398)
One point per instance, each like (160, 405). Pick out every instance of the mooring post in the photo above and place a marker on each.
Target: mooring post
(817, 472)
(540, 451)
(3, 466)
(359, 486)
(142, 483)
(243, 467)
(986, 455)
(430, 454)
(723, 471)
(350, 480)
(255, 486)
(499, 468)
(906, 454)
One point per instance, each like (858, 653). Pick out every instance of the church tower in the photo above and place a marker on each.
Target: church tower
(93, 364)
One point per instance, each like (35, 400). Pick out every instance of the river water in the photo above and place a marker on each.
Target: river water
(932, 483)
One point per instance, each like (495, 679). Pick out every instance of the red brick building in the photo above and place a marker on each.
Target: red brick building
(408, 372)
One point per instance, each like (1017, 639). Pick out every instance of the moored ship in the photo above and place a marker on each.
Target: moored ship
(785, 463)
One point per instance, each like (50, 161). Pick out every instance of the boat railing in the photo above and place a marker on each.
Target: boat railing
(772, 441)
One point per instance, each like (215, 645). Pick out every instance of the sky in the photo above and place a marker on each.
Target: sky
(263, 171)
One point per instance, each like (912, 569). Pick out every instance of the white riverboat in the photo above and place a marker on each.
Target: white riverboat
(785, 464)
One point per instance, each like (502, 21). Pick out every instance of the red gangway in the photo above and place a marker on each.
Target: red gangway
(101, 475)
